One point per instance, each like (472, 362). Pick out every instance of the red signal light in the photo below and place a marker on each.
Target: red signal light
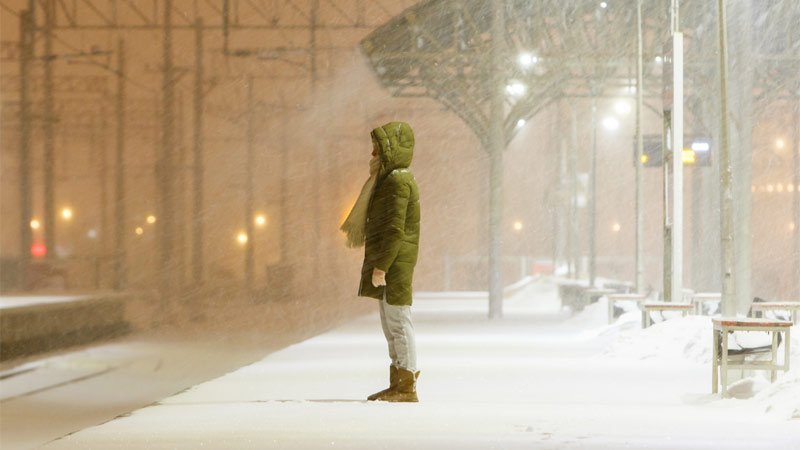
(38, 250)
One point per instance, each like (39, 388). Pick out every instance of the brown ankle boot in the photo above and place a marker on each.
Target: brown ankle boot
(392, 385)
(406, 390)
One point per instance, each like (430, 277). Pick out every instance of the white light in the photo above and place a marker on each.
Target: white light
(521, 123)
(622, 107)
(701, 146)
(518, 226)
(91, 234)
(139, 231)
(791, 226)
(151, 219)
(790, 187)
(779, 187)
(611, 123)
(616, 227)
(780, 144)
(242, 238)
(35, 224)
(603, 5)
(261, 220)
(66, 213)
(516, 89)
(527, 59)
(659, 60)
(770, 188)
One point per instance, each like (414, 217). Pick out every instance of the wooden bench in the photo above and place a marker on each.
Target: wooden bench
(613, 298)
(591, 295)
(701, 298)
(758, 308)
(570, 292)
(722, 356)
(648, 307)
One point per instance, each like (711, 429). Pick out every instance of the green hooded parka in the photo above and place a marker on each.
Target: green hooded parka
(392, 228)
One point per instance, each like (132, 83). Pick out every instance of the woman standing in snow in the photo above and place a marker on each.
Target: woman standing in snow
(386, 219)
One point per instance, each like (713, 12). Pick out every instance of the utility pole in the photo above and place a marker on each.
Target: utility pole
(673, 164)
(574, 221)
(593, 194)
(26, 199)
(317, 165)
(725, 169)
(497, 143)
(166, 165)
(795, 146)
(120, 250)
(198, 166)
(639, 276)
(49, 120)
(248, 202)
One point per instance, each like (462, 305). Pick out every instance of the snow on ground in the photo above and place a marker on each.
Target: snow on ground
(535, 379)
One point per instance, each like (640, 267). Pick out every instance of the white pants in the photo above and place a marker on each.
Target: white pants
(399, 332)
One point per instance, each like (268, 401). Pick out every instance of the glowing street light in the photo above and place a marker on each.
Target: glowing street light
(516, 88)
(527, 59)
(517, 226)
(66, 213)
(780, 144)
(139, 231)
(260, 220)
(521, 123)
(604, 5)
(35, 224)
(616, 227)
(622, 107)
(611, 123)
(242, 238)
(151, 219)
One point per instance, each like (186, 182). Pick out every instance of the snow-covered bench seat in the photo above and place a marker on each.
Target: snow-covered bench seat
(758, 308)
(649, 307)
(613, 298)
(700, 298)
(722, 360)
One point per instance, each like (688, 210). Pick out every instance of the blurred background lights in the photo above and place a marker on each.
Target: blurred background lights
(35, 224)
(527, 59)
(66, 213)
(261, 220)
(611, 123)
(780, 144)
(151, 219)
(139, 231)
(616, 227)
(622, 107)
(521, 123)
(91, 234)
(516, 88)
(517, 226)
(604, 5)
(242, 238)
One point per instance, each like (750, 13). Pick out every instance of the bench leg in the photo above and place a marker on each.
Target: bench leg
(715, 363)
(786, 356)
(774, 362)
(724, 363)
(610, 311)
(644, 319)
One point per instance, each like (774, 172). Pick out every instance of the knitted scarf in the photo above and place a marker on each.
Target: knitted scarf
(354, 225)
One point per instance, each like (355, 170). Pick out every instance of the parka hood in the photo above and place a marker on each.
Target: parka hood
(396, 143)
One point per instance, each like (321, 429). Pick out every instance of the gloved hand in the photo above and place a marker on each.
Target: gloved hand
(378, 277)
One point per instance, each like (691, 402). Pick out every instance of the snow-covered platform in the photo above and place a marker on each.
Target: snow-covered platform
(536, 379)
(35, 323)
